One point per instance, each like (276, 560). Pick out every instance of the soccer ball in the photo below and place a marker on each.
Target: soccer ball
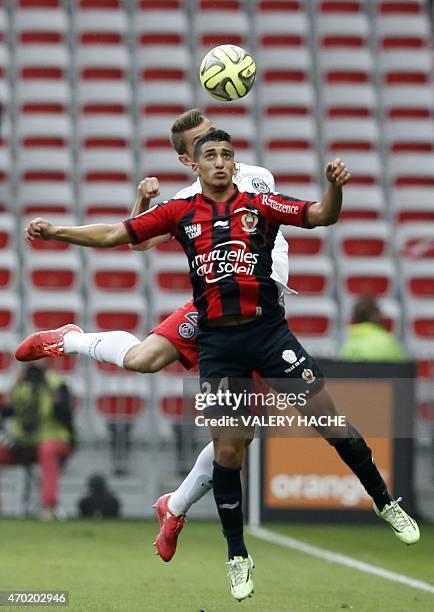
(227, 73)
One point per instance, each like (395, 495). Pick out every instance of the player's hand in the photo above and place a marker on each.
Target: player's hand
(337, 173)
(149, 188)
(39, 228)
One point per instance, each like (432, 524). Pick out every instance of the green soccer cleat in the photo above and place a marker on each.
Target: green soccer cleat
(403, 525)
(240, 574)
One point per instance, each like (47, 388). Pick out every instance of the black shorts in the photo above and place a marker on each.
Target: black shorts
(229, 355)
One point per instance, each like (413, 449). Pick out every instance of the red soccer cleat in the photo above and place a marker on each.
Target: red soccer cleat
(170, 528)
(44, 344)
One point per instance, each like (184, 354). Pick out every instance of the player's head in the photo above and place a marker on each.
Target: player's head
(185, 131)
(214, 159)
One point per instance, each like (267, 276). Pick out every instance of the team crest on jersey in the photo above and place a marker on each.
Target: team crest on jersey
(308, 376)
(260, 185)
(193, 231)
(249, 222)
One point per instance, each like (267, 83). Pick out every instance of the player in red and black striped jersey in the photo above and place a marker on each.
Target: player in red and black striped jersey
(241, 329)
(228, 244)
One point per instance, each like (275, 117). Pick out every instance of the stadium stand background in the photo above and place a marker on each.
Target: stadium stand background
(89, 90)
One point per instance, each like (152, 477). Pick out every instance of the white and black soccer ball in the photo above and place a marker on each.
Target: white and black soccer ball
(227, 73)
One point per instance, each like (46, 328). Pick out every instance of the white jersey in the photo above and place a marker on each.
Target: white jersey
(255, 179)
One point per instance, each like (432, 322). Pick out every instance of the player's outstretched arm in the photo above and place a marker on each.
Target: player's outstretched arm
(97, 235)
(328, 210)
(148, 189)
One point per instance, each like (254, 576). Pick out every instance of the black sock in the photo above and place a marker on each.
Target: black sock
(358, 456)
(228, 497)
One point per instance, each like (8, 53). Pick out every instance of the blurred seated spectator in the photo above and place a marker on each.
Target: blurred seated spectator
(367, 339)
(100, 502)
(41, 430)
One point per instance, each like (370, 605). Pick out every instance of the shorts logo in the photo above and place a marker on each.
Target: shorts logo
(308, 376)
(289, 356)
(260, 186)
(193, 231)
(186, 330)
(295, 364)
(249, 222)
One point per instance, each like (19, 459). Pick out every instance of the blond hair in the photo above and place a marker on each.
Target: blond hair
(187, 121)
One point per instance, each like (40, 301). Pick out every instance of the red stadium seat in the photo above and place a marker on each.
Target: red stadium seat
(417, 281)
(51, 309)
(362, 239)
(7, 231)
(8, 270)
(314, 321)
(311, 275)
(314, 242)
(415, 241)
(419, 328)
(112, 273)
(45, 273)
(358, 277)
(120, 312)
(9, 312)
(412, 204)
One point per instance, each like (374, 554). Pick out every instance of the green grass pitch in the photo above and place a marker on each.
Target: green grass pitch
(111, 566)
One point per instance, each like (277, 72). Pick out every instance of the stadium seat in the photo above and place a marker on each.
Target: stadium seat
(365, 167)
(342, 30)
(419, 327)
(292, 166)
(363, 202)
(311, 275)
(102, 130)
(411, 135)
(283, 64)
(42, 61)
(164, 303)
(164, 164)
(43, 96)
(314, 321)
(353, 66)
(416, 169)
(120, 312)
(277, 19)
(51, 309)
(7, 231)
(303, 191)
(415, 241)
(48, 245)
(218, 23)
(40, 25)
(287, 99)
(355, 134)
(103, 25)
(40, 198)
(158, 61)
(44, 164)
(361, 239)
(103, 96)
(170, 272)
(106, 198)
(9, 267)
(173, 96)
(106, 164)
(417, 279)
(155, 128)
(170, 398)
(43, 129)
(154, 19)
(43, 272)
(407, 100)
(349, 100)
(410, 204)
(409, 66)
(280, 132)
(10, 310)
(358, 277)
(111, 273)
(315, 242)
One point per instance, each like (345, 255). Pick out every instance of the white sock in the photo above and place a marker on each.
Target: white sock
(110, 347)
(196, 484)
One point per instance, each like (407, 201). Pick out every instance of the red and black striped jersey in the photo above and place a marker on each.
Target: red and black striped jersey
(228, 245)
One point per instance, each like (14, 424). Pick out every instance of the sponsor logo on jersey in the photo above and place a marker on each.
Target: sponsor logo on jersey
(193, 231)
(249, 221)
(308, 376)
(186, 330)
(289, 356)
(260, 185)
(225, 259)
(291, 209)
